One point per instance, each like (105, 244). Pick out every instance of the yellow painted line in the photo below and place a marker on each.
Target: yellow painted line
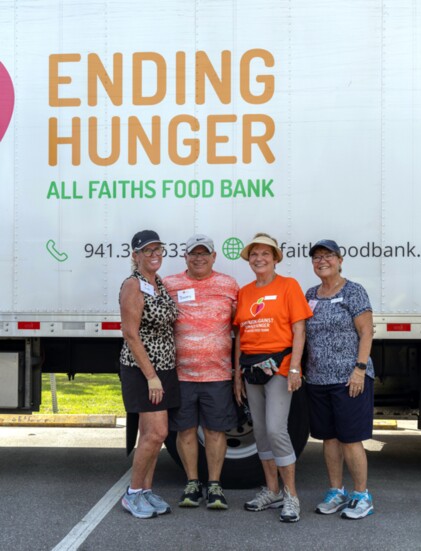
(58, 420)
(385, 424)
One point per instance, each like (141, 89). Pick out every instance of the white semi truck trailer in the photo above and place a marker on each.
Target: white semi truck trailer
(300, 118)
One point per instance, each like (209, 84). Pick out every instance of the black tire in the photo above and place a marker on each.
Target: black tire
(242, 467)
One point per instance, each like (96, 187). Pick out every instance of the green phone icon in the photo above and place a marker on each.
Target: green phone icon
(51, 248)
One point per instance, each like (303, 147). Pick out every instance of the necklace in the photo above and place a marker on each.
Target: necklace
(327, 293)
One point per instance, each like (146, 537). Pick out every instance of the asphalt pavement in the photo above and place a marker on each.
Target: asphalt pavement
(60, 489)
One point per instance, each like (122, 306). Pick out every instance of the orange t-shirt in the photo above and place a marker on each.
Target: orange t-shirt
(265, 316)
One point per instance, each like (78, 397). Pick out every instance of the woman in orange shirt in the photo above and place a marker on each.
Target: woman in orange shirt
(270, 322)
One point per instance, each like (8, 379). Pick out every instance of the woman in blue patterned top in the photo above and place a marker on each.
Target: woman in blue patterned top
(340, 379)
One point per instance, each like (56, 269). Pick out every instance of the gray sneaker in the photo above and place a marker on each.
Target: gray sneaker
(334, 500)
(265, 499)
(138, 505)
(160, 506)
(360, 505)
(291, 509)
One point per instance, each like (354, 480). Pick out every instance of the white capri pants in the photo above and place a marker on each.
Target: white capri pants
(269, 406)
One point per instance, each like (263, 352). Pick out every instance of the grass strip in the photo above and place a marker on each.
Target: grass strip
(85, 394)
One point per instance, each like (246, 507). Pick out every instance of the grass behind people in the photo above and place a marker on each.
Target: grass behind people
(86, 393)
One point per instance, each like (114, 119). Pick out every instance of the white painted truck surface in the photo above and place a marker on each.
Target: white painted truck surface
(300, 118)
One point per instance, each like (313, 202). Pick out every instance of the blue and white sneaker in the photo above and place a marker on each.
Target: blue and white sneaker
(359, 506)
(160, 506)
(335, 500)
(138, 505)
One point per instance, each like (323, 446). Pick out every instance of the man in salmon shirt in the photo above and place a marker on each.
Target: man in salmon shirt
(206, 301)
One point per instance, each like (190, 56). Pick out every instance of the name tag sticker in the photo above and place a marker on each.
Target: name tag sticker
(339, 299)
(147, 288)
(186, 295)
(271, 297)
(312, 303)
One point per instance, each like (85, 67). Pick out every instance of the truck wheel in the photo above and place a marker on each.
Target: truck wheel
(242, 467)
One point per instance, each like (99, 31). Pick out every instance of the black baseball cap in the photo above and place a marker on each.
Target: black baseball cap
(143, 238)
(326, 244)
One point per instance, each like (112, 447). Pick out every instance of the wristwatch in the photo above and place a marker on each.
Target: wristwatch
(294, 371)
(361, 366)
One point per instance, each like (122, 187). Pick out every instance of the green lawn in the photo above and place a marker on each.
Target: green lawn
(97, 394)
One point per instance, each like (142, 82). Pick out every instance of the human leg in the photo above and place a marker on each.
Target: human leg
(361, 503)
(153, 429)
(336, 498)
(329, 419)
(278, 403)
(271, 475)
(333, 456)
(288, 478)
(356, 461)
(215, 448)
(217, 414)
(184, 420)
(257, 404)
(269, 495)
(353, 422)
(188, 450)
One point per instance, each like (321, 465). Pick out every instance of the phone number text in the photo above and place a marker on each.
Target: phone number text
(110, 250)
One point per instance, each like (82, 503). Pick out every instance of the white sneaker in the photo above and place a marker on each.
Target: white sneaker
(359, 506)
(265, 499)
(291, 510)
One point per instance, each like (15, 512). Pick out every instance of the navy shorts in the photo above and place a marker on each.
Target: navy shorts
(210, 405)
(334, 414)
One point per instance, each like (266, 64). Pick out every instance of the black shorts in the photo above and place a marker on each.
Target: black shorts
(334, 414)
(210, 405)
(134, 387)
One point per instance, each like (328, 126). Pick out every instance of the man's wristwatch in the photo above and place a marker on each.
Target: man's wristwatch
(361, 366)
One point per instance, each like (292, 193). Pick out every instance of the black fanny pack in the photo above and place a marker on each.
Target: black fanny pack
(258, 369)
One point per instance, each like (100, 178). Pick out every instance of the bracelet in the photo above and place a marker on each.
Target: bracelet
(297, 371)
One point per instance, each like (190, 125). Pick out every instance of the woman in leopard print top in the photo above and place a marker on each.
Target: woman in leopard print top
(148, 375)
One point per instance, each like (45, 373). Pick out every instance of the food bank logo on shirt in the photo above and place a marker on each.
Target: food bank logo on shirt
(7, 100)
(259, 305)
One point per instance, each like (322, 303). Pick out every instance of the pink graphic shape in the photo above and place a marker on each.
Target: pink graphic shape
(256, 307)
(7, 100)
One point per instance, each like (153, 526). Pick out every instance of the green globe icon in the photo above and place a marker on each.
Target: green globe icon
(232, 248)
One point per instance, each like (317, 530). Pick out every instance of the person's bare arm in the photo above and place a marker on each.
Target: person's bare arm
(131, 309)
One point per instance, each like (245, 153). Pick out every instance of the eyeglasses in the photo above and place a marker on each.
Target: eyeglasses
(200, 255)
(318, 258)
(158, 251)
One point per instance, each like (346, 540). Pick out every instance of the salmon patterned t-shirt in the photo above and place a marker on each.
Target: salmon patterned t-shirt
(203, 328)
